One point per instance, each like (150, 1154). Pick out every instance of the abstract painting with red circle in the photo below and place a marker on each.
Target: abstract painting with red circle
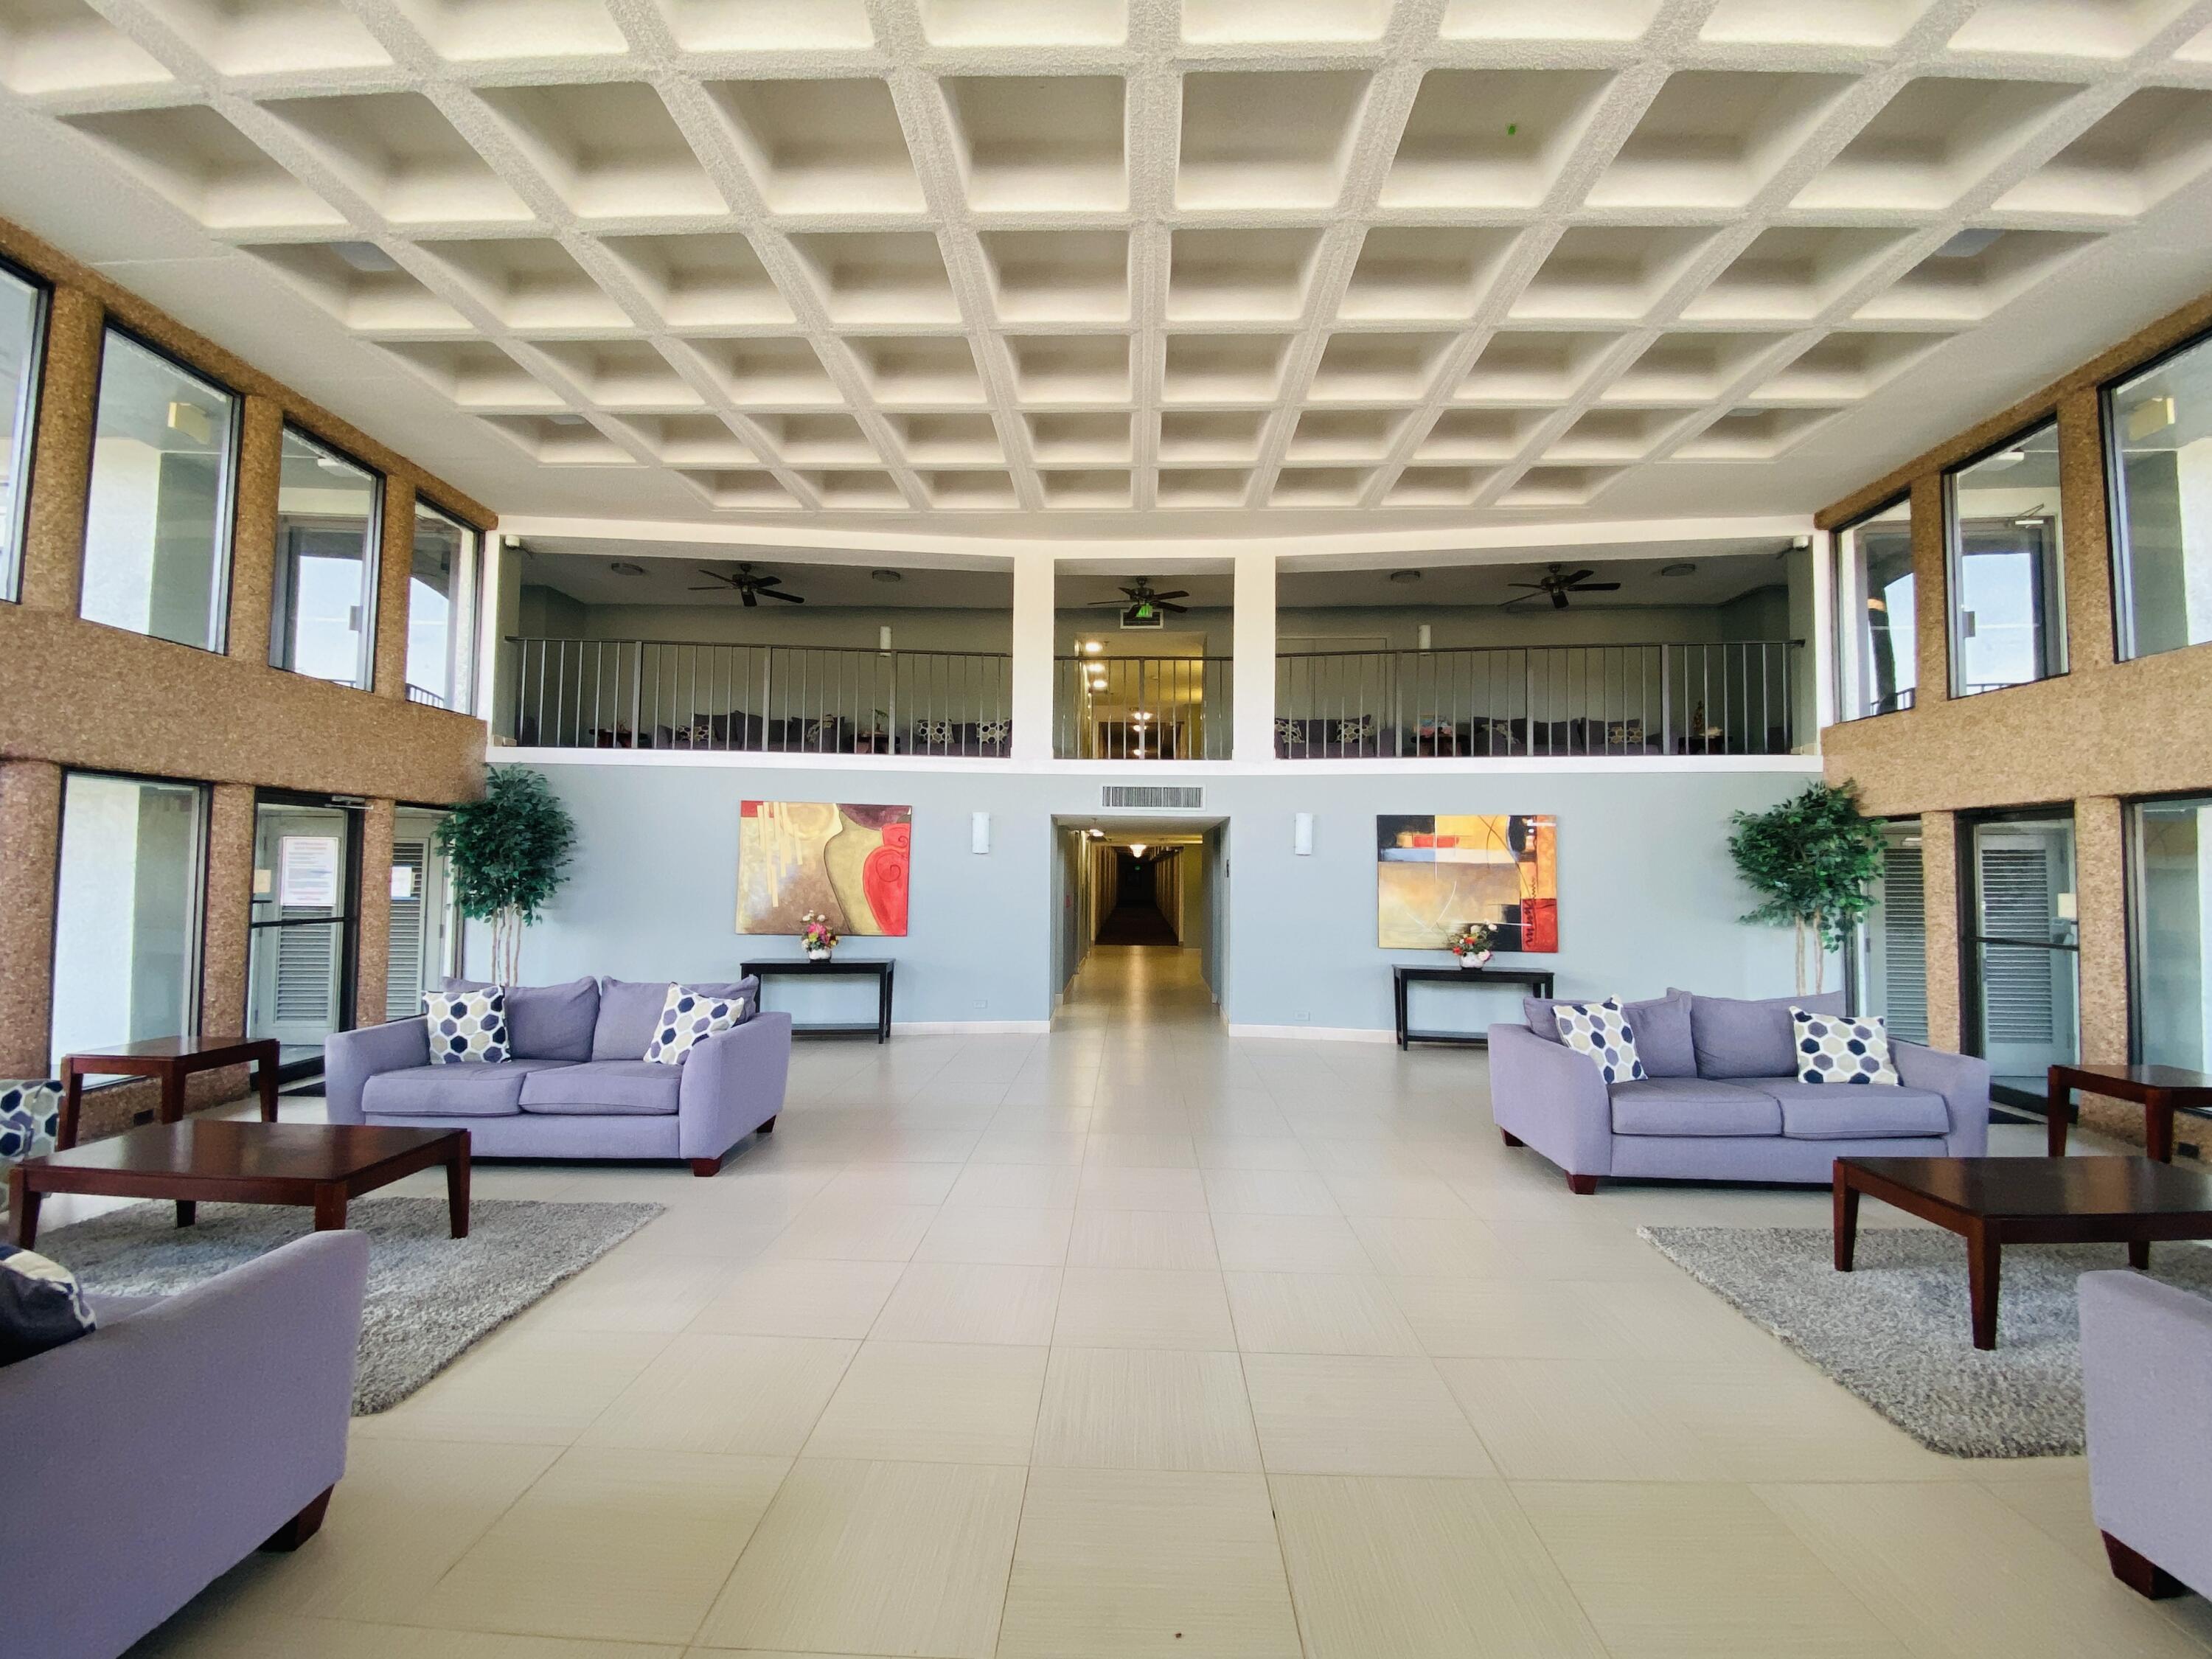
(849, 862)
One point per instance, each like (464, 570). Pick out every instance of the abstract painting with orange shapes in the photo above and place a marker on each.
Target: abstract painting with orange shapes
(850, 863)
(1434, 875)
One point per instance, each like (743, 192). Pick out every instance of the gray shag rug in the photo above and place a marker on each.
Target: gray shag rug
(430, 1296)
(1895, 1332)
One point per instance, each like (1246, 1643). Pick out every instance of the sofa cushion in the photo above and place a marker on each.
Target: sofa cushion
(1735, 1037)
(30, 1117)
(547, 1022)
(41, 1305)
(1662, 1030)
(604, 1088)
(629, 1011)
(688, 1019)
(1847, 1051)
(1821, 1111)
(1601, 1031)
(1693, 1106)
(468, 1028)
(451, 1090)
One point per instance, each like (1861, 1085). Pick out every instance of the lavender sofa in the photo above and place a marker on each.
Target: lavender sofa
(1723, 1102)
(579, 1086)
(2146, 1380)
(151, 1456)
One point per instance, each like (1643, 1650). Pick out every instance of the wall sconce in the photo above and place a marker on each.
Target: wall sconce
(979, 833)
(1302, 835)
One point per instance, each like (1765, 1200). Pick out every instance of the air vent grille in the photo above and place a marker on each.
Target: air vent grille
(1152, 797)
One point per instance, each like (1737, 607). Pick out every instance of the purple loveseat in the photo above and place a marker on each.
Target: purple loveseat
(1723, 1102)
(2146, 1378)
(150, 1458)
(579, 1086)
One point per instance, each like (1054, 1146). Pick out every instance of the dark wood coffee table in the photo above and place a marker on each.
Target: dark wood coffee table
(1992, 1202)
(221, 1160)
(2160, 1090)
(169, 1062)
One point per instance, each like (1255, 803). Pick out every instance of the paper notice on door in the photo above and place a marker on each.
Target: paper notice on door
(403, 881)
(308, 872)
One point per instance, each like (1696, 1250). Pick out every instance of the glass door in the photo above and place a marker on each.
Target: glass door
(307, 874)
(419, 943)
(1889, 964)
(2023, 952)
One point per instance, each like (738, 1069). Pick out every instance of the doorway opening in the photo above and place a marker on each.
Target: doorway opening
(1141, 910)
(307, 898)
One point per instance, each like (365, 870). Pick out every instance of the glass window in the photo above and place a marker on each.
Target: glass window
(441, 603)
(2174, 934)
(323, 610)
(2023, 952)
(418, 942)
(157, 530)
(298, 962)
(22, 317)
(2159, 427)
(127, 912)
(2006, 587)
(1890, 964)
(1877, 649)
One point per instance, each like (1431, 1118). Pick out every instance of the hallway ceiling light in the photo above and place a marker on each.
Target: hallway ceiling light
(886, 576)
(1404, 575)
(624, 568)
(1683, 570)
(1092, 647)
(1137, 849)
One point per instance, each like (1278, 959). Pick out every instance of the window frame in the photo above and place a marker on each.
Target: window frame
(15, 524)
(282, 593)
(2120, 567)
(1855, 617)
(2135, 920)
(226, 506)
(464, 697)
(2056, 660)
(202, 863)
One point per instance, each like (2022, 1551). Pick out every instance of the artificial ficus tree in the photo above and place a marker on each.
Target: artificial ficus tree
(1812, 860)
(509, 853)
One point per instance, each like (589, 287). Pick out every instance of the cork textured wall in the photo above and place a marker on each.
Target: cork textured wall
(2105, 731)
(76, 695)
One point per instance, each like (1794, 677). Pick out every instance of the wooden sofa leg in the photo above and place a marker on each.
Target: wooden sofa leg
(2140, 1573)
(768, 1128)
(1584, 1185)
(1512, 1139)
(301, 1527)
(703, 1167)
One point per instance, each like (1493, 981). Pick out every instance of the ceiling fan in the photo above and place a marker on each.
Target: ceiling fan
(1143, 605)
(748, 587)
(1559, 582)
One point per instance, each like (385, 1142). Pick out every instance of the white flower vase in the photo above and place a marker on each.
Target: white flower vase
(817, 953)
(1474, 959)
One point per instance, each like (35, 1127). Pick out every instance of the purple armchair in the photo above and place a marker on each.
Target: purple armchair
(151, 1456)
(2146, 1380)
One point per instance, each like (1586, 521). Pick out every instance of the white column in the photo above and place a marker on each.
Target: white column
(1823, 643)
(1032, 666)
(1253, 645)
(491, 623)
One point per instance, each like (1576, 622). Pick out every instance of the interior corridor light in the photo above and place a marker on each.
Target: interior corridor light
(1136, 850)
(1092, 647)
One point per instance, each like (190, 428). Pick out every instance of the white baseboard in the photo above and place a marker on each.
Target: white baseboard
(1316, 1033)
(970, 1027)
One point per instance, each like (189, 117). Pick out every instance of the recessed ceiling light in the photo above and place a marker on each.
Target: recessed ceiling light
(886, 576)
(624, 568)
(1676, 570)
(1404, 575)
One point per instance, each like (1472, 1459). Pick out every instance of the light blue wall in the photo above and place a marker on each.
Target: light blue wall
(1647, 896)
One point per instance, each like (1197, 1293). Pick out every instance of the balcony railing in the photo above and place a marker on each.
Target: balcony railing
(1733, 697)
(1141, 707)
(759, 699)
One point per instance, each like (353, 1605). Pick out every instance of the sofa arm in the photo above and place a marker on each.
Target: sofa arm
(1963, 1080)
(351, 1058)
(732, 1084)
(175, 1442)
(1552, 1098)
(2146, 1385)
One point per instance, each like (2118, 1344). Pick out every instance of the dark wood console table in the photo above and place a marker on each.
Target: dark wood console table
(1538, 980)
(170, 1060)
(855, 968)
(2160, 1090)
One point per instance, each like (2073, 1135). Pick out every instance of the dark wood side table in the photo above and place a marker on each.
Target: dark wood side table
(1991, 1202)
(800, 968)
(2160, 1090)
(170, 1060)
(1538, 980)
(221, 1160)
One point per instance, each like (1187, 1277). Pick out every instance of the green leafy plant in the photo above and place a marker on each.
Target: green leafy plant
(510, 854)
(1812, 860)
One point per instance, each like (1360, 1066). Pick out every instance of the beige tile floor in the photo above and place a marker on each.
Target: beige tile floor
(1134, 1339)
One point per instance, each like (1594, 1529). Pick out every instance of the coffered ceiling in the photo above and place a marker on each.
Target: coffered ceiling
(1141, 267)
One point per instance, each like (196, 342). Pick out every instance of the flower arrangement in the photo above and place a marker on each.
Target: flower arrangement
(818, 937)
(1471, 943)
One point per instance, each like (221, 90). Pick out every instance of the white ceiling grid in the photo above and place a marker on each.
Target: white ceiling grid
(1490, 258)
